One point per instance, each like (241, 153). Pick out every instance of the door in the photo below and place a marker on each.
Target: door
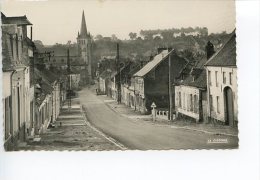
(229, 108)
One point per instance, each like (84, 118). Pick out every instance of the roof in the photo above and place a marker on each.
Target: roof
(43, 87)
(105, 74)
(83, 30)
(194, 74)
(6, 54)
(152, 64)
(226, 56)
(19, 20)
(29, 42)
(46, 75)
(200, 80)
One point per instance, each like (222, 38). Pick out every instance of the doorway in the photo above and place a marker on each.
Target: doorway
(229, 107)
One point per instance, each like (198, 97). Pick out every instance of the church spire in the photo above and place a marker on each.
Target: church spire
(83, 29)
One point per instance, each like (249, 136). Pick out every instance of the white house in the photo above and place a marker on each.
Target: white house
(222, 84)
(191, 92)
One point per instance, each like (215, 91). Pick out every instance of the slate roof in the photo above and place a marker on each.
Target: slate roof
(83, 29)
(19, 20)
(197, 71)
(43, 86)
(226, 56)
(46, 75)
(152, 64)
(106, 74)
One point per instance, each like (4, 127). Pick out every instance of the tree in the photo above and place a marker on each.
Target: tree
(157, 38)
(167, 35)
(98, 37)
(132, 35)
(113, 37)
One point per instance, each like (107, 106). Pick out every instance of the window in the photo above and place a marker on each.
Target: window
(209, 76)
(224, 78)
(218, 104)
(12, 48)
(193, 78)
(184, 101)
(191, 102)
(179, 99)
(230, 78)
(216, 78)
(17, 48)
(211, 102)
(196, 104)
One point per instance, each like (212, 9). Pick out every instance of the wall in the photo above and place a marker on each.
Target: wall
(215, 89)
(187, 101)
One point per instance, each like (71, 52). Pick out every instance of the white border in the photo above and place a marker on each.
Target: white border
(203, 164)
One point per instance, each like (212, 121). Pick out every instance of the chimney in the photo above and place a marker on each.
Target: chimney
(209, 49)
(31, 32)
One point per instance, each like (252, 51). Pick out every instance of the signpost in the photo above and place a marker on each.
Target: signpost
(153, 106)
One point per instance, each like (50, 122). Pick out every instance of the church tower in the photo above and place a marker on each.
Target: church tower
(85, 49)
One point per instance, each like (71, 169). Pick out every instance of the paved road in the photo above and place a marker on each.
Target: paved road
(144, 135)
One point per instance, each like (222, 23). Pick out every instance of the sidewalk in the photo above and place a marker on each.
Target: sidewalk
(126, 111)
(71, 132)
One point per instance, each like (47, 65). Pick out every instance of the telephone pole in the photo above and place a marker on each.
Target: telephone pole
(69, 79)
(119, 74)
(170, 87)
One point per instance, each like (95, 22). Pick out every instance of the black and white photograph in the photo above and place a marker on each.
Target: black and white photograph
(130, 89)
(101, 76)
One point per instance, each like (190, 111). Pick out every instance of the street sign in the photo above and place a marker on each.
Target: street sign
(153, 105)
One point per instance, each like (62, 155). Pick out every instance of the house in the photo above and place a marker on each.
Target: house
(43, 105)
(53, 80)
(103, 81)
(18, 102)
(191, 91)
(152, 81)
(221, 72)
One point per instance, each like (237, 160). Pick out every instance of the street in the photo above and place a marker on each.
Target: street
(144, 135)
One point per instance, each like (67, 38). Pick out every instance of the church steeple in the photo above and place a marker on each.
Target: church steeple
(83, 29)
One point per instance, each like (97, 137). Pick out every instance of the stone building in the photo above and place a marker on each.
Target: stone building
(84, 42)
(222, 84)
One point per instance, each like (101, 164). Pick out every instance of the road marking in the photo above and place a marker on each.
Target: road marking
(110, 139)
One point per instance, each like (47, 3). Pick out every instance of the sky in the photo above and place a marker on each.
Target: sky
(59, 21)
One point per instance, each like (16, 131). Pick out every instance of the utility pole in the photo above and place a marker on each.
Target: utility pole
(119, 74)
(69, 79)
(170, 88)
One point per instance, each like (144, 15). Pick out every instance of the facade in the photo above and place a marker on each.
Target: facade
(103, 81)
(48, 96)
(152, 81)
(17, 54)
(191, 91)
(222, 84)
